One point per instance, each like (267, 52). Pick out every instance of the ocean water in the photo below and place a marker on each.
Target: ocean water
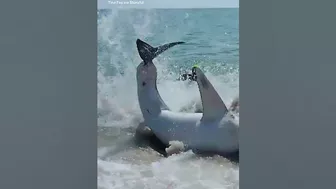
(212, 42)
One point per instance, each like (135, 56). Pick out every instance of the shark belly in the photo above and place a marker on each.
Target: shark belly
(216, 137)
(171, 126)
(187, 128)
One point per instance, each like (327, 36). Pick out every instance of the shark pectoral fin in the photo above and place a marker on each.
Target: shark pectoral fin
(148, 53)
(213, 106)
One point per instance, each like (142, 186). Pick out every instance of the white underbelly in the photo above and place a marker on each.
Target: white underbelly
(170, 126)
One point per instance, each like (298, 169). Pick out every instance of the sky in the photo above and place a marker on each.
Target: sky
(170, 3)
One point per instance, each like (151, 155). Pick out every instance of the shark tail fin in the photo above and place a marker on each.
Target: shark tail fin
(148, 53)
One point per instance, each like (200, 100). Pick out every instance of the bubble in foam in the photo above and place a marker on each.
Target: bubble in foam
(175, 147)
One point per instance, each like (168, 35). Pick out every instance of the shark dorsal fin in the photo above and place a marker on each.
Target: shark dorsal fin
(213, 106)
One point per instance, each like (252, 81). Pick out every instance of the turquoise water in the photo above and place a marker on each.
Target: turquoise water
(212, 42)
(211, 36)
